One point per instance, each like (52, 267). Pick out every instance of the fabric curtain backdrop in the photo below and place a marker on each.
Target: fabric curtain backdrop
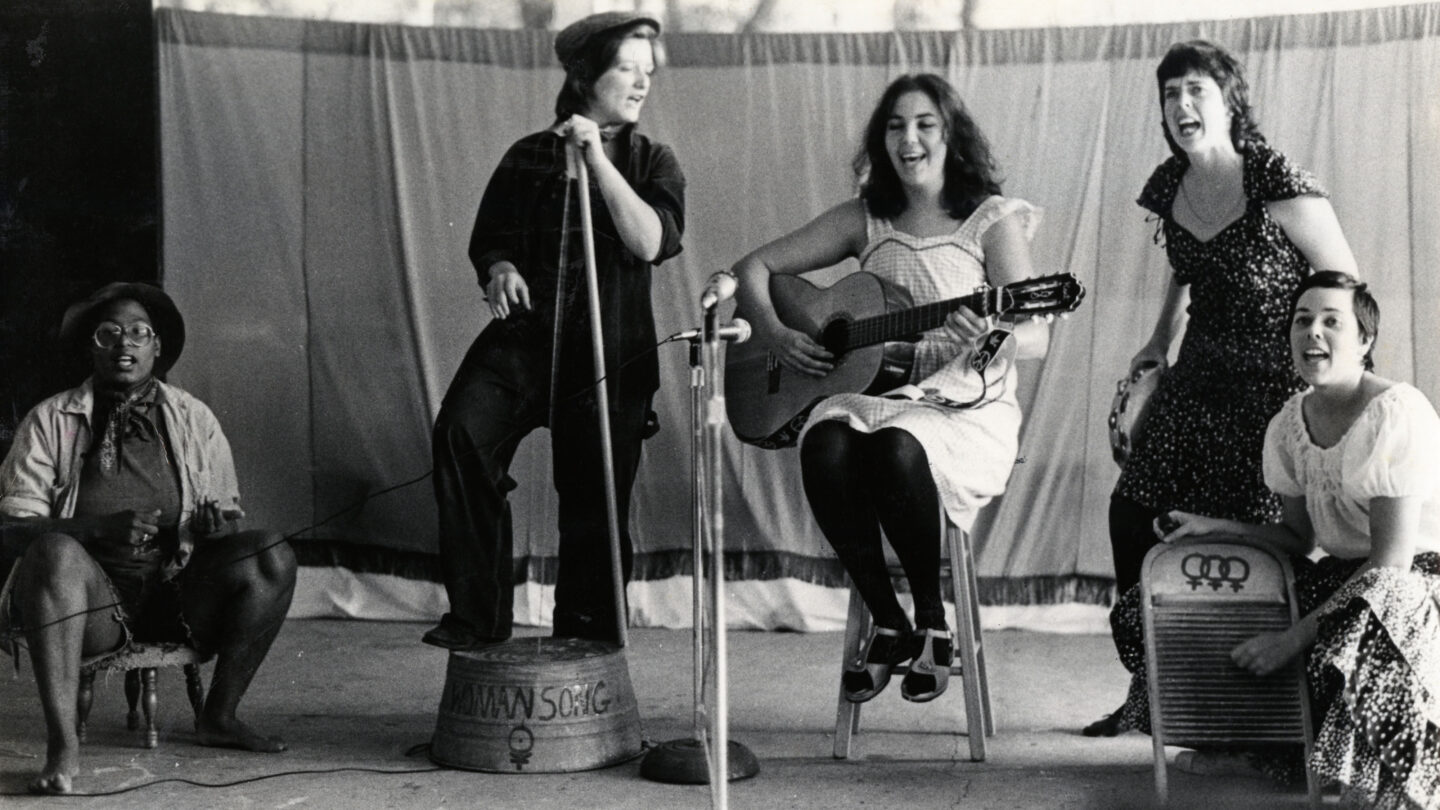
(320, 181)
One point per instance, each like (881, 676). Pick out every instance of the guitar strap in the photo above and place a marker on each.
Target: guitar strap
(986, 349)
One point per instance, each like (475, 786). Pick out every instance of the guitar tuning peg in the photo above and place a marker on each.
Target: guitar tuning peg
(1049, 317)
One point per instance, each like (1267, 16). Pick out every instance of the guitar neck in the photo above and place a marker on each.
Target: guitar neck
(907, 323)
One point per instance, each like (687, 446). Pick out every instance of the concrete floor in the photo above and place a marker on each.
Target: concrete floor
(351, 696)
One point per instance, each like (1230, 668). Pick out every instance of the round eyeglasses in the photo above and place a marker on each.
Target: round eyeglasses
(109, 335)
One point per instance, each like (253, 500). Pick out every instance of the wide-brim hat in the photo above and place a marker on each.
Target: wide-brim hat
(80, 318)
(572, 40)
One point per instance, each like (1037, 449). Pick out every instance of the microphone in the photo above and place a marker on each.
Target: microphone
(720, 287)
(738, 331)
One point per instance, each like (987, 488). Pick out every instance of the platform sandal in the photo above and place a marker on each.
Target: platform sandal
(867, 675)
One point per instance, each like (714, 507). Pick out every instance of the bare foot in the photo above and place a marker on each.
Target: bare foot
(235, 734)
(61, 766)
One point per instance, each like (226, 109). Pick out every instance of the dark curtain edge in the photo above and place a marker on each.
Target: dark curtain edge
(530, 49)
(655, 566)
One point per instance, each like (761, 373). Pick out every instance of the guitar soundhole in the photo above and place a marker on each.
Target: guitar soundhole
(835, 336)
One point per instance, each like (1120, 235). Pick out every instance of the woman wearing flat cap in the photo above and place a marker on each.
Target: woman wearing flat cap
(119, 498)
(532, 366)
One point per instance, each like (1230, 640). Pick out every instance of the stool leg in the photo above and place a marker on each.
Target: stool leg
(981, 671)
(147, 685)
(960, 578)
(195, 689)
(132, 696)
(84, 697)
(847, 714)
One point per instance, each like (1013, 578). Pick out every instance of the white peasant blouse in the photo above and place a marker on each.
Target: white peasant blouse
(1391, 451)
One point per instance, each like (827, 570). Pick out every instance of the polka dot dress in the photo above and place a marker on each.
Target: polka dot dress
(1374, 674)
(1200, 450)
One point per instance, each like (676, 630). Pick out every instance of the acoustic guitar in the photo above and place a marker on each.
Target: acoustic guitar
(871, 327)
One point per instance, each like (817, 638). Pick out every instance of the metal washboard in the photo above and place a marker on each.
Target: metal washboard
(1199, 599)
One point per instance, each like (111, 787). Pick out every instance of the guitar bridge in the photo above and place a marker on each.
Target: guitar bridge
(894, 369)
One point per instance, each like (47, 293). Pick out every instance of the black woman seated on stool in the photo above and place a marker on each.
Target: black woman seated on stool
(929, 219)
(120, 498)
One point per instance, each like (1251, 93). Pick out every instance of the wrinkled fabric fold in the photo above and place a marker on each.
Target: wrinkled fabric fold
(1377, 666)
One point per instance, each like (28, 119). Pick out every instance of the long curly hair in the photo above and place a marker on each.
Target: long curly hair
(1203, 56)
(970, 171)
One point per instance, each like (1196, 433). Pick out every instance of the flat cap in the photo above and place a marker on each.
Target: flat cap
(573, 38)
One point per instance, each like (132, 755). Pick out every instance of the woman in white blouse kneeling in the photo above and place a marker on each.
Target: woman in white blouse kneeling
(1356, 458)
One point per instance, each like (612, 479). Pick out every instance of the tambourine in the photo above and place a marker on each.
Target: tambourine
(1130, 407)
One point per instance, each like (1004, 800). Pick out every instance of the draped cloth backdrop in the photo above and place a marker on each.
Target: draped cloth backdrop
(320, 181)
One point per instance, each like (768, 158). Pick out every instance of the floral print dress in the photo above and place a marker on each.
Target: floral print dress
(1200, 450)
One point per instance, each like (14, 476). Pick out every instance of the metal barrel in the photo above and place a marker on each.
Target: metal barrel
(537, 705)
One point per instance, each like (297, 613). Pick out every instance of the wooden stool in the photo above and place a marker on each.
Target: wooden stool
(968, 662)
(141, 662)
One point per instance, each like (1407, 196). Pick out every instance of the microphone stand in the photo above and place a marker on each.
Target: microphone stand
(684, 761)
(602, 397)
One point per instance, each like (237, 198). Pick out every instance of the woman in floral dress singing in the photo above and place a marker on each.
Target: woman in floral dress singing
(1241, 226)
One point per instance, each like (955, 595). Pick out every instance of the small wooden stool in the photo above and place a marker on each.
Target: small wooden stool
(968, 662)
(141, 662)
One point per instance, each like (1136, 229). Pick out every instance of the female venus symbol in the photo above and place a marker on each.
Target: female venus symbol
(522, 741)
(1216, 570)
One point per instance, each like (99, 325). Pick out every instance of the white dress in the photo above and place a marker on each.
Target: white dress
(971, 450)
(1392, 450)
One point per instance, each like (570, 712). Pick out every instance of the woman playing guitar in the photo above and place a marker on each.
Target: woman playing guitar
(930, 221)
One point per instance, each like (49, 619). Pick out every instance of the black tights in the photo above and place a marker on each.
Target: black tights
(1132, 534)
(859, 483)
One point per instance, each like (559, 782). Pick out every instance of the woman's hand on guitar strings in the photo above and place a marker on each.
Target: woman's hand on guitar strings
(798, 352)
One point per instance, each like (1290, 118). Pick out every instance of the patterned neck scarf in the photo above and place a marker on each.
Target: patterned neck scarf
(125, 415)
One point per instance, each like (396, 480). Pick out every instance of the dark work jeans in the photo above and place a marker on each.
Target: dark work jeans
(498, 396)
